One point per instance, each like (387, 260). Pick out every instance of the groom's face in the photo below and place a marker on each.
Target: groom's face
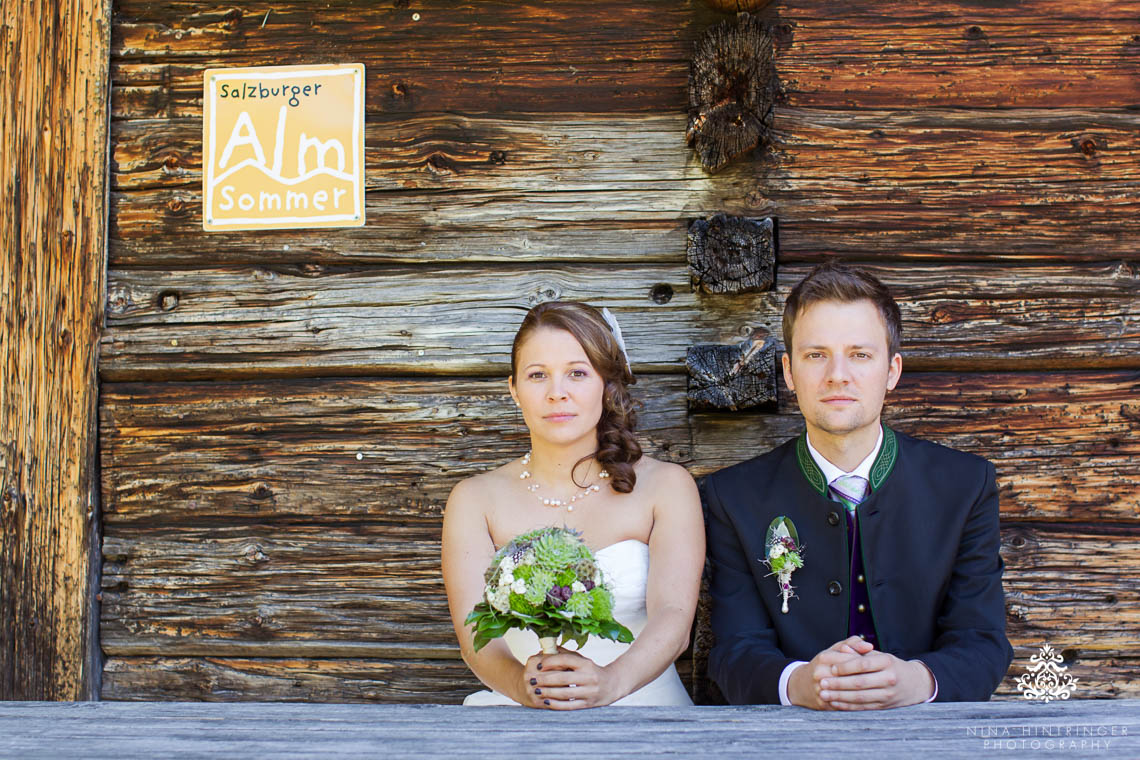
(840, 366)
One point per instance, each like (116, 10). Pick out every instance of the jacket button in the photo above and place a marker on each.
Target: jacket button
(832, 518)
(835, 588)
(862, 608)
(861, 579)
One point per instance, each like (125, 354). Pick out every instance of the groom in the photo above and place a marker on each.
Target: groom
(899, 599)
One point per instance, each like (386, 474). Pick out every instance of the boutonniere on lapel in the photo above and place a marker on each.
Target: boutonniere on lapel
(783, 555)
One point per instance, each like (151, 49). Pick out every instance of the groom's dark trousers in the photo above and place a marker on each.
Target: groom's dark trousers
(929, 533)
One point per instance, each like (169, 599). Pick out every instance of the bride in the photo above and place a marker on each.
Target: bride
(585, 471)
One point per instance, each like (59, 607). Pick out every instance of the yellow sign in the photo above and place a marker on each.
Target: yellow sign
(283, 147)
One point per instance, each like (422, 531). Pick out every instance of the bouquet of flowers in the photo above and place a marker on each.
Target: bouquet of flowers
(546, 581)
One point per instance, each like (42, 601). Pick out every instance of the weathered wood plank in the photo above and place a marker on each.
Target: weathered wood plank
(450, 152)
(53, 153)
(1024, 183)
(512, 56)
(376, 582)
(260, 450)
(217, 679)
(951, 731)
(1072, 588)
(950, 54)
(535, 56)
(1065, 444)
(318, 584)
(242, 322)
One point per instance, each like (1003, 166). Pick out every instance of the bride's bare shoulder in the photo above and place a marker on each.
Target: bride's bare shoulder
(662, 474)
(479, 490)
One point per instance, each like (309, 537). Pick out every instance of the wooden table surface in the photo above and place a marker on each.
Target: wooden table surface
(1085, 728)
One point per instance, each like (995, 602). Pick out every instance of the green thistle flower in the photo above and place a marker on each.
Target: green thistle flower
(601, 601)
(579, 605)
(554, 552)
(539, 583)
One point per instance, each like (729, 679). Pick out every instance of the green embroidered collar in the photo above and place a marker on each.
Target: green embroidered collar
(880, 470)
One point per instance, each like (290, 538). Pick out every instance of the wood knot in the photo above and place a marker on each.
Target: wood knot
(232, 16)
(176, 206)
(170, 165)
(438, 163)
(661, 293)
(65, 338)
(783, 35)
(168, 300)
(262, 492)
(117, 301)
(498, 157)
(942, 315)
(974, 33)
(1088, 145)
(399, 90)
(544, 294)
(255, 554)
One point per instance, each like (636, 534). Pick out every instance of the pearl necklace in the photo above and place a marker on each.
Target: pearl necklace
(556, 503)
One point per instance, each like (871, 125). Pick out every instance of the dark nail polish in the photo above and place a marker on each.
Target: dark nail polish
(539, 666)
(534, 682)
(546, 701)
(538, 691)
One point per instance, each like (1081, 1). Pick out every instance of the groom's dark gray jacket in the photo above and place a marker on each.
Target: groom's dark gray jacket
(929, 532)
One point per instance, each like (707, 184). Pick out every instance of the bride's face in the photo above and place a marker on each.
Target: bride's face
(558, 390)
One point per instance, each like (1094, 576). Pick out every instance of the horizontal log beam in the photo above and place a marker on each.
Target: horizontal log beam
(1019, 183)
(432, 681)
(218, 679)
(634, 56)
(289, 322)
(945, 54)
(1065, 444)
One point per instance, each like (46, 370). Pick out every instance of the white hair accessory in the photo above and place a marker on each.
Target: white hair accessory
(611, 320)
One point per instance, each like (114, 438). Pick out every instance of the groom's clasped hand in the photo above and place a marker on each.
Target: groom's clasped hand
(852, 675)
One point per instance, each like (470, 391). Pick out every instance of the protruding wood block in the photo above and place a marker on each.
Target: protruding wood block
(732, 254)
(732, 87)
(734, 377)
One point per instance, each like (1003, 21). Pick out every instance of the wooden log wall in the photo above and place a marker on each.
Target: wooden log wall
(284, 413)
(53, 160)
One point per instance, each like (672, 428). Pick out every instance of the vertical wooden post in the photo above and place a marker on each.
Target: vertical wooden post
(54, 55)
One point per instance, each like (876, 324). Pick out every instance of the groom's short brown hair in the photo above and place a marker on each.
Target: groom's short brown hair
(833, 281)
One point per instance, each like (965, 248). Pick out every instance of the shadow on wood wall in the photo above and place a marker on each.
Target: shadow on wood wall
(283, 413)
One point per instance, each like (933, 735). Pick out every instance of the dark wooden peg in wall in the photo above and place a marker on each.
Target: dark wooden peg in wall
(732, 89)
(732, 377)
(732, 254)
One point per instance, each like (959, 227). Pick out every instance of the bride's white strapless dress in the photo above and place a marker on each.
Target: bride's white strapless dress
(625, 566)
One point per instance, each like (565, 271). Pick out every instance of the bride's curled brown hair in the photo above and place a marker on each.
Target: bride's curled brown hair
(618, 449)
